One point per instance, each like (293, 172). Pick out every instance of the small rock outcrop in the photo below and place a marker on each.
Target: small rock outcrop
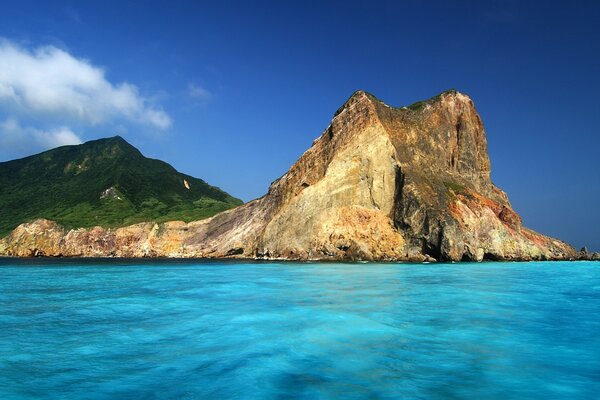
(380, 183)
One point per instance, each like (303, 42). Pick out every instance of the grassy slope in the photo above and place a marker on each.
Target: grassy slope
(65, 184)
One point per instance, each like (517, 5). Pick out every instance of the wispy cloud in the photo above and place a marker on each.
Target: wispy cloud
(198, 92)
(49, 80)
(22, 140)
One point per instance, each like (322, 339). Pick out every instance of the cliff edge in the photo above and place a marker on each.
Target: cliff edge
(380, 183)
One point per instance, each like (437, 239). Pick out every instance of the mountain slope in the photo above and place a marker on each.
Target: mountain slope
(380, 183)
(105, 182)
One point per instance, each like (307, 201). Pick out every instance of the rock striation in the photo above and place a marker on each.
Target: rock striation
(380, 183)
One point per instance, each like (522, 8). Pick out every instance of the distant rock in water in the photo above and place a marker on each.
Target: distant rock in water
(380, 183)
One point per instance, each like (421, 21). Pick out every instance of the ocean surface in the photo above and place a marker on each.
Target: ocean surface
(77, 329)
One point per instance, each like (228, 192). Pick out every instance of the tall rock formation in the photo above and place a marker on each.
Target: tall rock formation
(380, 183)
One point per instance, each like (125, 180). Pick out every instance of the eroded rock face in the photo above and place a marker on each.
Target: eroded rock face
(380, 183)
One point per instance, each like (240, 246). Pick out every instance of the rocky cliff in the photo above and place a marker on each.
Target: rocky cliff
(380, 183)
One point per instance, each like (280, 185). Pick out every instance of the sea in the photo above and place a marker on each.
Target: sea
(159, 329)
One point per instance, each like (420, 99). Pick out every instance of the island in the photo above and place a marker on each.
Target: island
(379, 184)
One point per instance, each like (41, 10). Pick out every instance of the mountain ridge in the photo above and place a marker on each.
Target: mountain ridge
(105, 182)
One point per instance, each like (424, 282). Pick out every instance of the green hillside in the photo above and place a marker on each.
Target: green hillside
(105, 182)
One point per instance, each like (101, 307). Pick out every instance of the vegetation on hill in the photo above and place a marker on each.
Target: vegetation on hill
(105, 182)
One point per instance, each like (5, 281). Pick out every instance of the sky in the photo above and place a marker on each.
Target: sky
(235, 92)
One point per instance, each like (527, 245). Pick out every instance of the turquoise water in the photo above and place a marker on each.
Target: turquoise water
(315, 331)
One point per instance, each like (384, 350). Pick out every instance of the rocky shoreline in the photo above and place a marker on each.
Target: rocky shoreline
(47, 239)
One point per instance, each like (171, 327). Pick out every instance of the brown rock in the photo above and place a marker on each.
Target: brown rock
(380, 183)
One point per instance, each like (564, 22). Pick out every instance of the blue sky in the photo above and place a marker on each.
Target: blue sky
(235, 93)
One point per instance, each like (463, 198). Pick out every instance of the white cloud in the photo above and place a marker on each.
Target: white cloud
(198, 92)
(21, 140)
(49, 80)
